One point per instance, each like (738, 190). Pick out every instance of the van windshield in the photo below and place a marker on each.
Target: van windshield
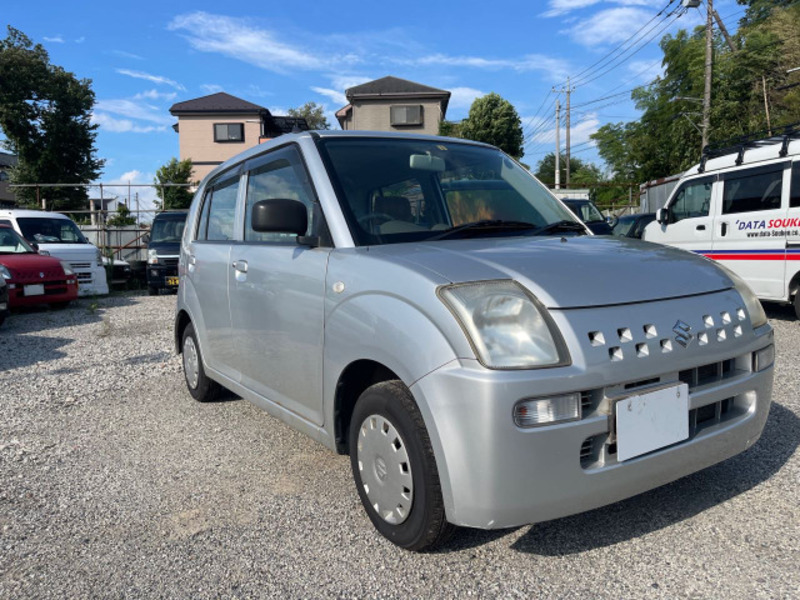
(167, 230)
(403, 190)
(50, 230)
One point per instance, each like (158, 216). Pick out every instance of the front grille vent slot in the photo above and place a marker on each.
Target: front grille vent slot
(706, 374)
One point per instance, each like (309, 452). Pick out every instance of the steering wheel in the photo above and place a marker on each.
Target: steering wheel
(363, 220)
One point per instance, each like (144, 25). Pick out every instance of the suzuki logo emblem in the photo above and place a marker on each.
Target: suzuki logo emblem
(683, 333)
(41, 275)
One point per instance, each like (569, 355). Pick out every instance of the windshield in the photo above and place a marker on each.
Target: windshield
(400, 190)
(168, 229)
(587, 211)
(51, 230)
(12, 243)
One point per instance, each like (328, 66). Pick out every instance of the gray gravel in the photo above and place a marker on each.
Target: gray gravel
(115, 483)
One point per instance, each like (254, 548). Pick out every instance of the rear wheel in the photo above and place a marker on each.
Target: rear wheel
(797, 304)
(394, 468)
(200, 386)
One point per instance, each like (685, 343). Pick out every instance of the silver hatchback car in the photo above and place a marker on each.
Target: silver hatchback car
(427, 306)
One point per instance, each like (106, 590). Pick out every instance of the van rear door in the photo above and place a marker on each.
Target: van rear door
(792, 264)
(749, 237)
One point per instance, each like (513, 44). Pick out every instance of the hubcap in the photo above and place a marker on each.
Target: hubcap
(191, 364)
(385, 469)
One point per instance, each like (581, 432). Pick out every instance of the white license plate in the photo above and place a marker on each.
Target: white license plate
(34, 290)
(650, 421)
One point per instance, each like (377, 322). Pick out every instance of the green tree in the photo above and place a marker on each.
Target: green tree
(313, 113)
(583, 174)
(45, 114)
(450, 129)
(123, 217)
(171, 197)
(495, 121)
(546, 169)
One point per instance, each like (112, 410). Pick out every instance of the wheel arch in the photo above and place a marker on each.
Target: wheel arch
(182, 320)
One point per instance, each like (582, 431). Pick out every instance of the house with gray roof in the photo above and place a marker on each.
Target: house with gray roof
(211, 129)
(394, 104)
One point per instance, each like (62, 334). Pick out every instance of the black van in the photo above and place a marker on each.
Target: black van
(163, 250)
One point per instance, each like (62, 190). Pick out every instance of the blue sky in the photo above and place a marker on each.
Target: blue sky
(145, 56)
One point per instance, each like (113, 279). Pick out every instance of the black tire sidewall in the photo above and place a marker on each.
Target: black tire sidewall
(206, 389)
(380, 401)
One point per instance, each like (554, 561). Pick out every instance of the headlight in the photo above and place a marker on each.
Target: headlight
(67, 269)
(152, 256)
(507, 327)
(99, 258)
(757, 315)
(4, 272)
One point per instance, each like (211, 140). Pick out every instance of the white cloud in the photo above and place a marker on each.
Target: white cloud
(114, 125)
(645, 71)
(155, 95)
(154, 78)
(335, 95)
(54, 40)
(134, 110)
(237, 39)
(556, 68)
(463, 97)
(124, 54)
(147, 195)
(562, 7)
(345, 82)
(80, 40)
(608, 26)
(211, 88)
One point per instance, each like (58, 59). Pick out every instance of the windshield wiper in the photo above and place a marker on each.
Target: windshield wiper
(498, 224)
(564, 225)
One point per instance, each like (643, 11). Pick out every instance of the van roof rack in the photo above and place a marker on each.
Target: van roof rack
(758, 139)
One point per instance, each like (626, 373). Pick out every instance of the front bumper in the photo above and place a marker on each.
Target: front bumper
(54, 292)
(497, 475)
(163, 277)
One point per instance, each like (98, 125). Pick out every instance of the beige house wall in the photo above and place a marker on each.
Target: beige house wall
(196, 140)
(375, 115)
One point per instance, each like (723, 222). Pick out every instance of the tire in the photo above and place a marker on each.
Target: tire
(388, 435)
(200, 386)
(152, 290)
(797, 304)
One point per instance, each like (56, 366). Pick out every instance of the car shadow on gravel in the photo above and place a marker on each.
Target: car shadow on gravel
(84, 311)
(15, 354)
(672, 503)
(779, 312)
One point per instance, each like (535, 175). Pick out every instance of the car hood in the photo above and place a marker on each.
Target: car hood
(569, 272)
(71, 252)
(23, 263)
(165, 248)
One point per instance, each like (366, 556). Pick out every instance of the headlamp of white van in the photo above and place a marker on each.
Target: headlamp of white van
(99, 258)
(507, 326)
(751, 302)
(152, 256)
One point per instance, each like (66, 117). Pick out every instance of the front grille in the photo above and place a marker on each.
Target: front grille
(586, 450)
(38, 275)
(707, 374)
(710, 414)
(169, 262)
(55, 290)
(586, 403)
(80, 265)
(84, 277)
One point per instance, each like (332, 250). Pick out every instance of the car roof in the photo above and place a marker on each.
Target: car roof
(27, 213)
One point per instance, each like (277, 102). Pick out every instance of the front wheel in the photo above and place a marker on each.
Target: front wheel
(797, 304)
(200, 386)
(395, 470)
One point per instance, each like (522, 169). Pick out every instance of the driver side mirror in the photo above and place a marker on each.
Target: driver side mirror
(280, 215)
(662, 216)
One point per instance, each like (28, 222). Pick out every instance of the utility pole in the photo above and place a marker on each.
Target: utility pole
(567, 130)
(766, 104)
(725, 33)
(709, 66)
(558, 144)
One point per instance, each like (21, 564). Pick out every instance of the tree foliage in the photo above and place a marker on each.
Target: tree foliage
(666, 139)
(174, 171)
(582, 174)
(122, 218)
(45, 114)
(495, 121)
(313, 113)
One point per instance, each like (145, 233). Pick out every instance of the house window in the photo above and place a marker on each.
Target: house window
(406, 114)
(228, 132)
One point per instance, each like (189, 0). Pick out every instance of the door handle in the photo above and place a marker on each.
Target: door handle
(700, 228)
(240, 265)
(724, 229)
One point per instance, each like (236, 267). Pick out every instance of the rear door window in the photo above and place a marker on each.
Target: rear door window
(219, 209)
(751, 191)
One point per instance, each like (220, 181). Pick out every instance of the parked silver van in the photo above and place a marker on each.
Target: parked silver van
(427, 306)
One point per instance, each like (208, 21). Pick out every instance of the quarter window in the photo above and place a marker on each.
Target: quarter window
(750, 192)
(229, 132)
(794, 195)
(219, 208)
(692, 200)
(282, 178)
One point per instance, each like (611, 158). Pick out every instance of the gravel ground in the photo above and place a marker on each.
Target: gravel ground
(115, 483)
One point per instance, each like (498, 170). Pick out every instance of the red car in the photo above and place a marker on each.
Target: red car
(32, 278)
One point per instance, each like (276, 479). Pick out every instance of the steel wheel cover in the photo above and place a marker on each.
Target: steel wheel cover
(191, 362)
(385, 469)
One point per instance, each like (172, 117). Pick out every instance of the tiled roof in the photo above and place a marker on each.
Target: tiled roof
(393, 86)
(216, 103)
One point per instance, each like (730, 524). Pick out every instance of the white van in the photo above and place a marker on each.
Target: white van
(741, 207)
(57, 235)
